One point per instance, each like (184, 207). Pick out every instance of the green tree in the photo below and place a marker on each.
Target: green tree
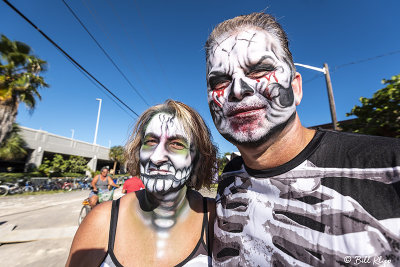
(53, 167)
(14, 146)
(19, 81)
(222, 161)
(116, 154)
(58, 164)
(45, 167)
(379, 115)
(77, 164)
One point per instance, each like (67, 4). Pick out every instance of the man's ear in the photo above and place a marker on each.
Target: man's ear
(297, 87)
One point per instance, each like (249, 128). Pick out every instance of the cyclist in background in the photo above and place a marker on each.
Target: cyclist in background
(100, 182)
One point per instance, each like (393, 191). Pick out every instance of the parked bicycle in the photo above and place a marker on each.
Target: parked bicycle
(19, 187)
(3, 190)
(67, 185)
(84, 185)
(105, 195)
(29, 187)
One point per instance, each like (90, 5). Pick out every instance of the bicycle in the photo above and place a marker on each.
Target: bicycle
(103, 196)
(67, 186)
(4, 190)
(29, 187)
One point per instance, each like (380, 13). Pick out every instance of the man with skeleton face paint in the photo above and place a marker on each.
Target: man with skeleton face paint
(167, 224)
(250, 87)
(296, 197)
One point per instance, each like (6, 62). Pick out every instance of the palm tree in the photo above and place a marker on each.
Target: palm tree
(19, 81)
(14, 146)
(116, 154)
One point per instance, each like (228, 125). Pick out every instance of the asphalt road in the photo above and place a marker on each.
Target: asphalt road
(43, 228)
(37, 230)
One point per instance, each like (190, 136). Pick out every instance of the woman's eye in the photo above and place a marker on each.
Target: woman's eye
(150, 142)
(177, 145)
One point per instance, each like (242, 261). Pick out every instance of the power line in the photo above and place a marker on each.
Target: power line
(96, 85)
(156, 56)
(75, 63)
(367, 59)
(313, 78)
(133, 43)
(107, 55)
(353, 63)
(106, 33)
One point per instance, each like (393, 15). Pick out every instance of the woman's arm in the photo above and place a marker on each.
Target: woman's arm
(90, 243)
(94, 181)
(111, 182)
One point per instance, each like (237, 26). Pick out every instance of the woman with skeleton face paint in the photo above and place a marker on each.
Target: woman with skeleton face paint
(168, 223)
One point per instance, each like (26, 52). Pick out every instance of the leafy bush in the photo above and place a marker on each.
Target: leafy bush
(58, 165)
(72, 174)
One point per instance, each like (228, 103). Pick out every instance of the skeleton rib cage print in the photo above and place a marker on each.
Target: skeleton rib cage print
(337, 198)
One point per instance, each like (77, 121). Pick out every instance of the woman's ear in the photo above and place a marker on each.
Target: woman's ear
(297, 87)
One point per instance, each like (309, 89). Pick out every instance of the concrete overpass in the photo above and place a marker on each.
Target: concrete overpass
(41, 142)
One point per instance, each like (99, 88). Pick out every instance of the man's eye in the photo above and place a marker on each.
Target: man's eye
(257, 74)
(221, 85)
(219, 82)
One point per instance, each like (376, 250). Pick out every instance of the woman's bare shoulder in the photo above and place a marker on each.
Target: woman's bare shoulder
(90, 243)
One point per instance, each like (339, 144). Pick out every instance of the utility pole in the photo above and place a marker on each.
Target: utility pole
(325, 70)
(97, 123)
(330, 96)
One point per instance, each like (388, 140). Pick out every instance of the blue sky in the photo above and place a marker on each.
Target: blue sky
(159, 46)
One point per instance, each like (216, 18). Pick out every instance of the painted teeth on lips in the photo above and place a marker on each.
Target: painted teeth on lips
(244, 111)
(158, 171)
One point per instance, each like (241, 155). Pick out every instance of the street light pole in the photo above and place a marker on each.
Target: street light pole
(330, 96)
(325, 70)
(97, 123)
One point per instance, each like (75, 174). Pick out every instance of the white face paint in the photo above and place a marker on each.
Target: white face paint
(165, 155)
(249, 86)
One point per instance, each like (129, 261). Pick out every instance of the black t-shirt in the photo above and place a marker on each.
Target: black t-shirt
(334, 203)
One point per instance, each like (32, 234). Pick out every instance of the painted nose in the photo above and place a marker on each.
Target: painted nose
(159, 155)
(239, 90)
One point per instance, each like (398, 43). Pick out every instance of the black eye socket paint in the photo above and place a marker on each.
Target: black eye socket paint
(217, 79)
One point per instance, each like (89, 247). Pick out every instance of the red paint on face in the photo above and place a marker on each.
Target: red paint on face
(267, 94)
(216, 94)
(268, 77)
(246, 122)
